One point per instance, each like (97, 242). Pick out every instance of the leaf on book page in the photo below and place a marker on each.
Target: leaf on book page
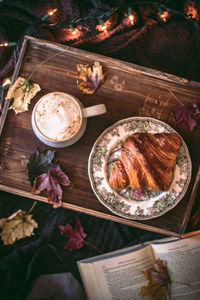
(158, 282)
(17, 226)
(184, 113)
(22, 92)
(89, 79)
(75, 235)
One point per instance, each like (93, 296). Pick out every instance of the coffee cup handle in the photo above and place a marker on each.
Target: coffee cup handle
(94, 110)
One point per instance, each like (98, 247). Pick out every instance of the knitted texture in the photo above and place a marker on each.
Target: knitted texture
(171, 46)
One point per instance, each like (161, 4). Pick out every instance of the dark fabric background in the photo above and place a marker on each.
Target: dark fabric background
(172, 47)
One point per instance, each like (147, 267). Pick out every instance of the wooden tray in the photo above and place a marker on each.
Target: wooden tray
(129, 90)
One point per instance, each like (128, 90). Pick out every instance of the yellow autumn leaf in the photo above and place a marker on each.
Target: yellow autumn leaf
(158, 286)
(17, 226)
(90, 78)
(22, 92)
(155, 291)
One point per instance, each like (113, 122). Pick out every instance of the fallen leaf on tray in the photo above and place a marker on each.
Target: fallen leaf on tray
(184, 113)
(51, 182)
(158, 282)
(89, 79)
(17, 226)
(22, 92)
(44, 175)
(75, 235)
(38, 163)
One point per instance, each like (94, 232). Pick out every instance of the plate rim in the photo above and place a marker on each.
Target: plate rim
(140, 218)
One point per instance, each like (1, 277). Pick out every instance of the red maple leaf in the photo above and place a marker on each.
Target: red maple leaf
(183, 113)
(75, 235)
(51, 181)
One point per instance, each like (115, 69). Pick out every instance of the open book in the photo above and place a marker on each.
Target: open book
(118, 275)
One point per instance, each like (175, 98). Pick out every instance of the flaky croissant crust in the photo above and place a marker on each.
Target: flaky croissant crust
(146, 161)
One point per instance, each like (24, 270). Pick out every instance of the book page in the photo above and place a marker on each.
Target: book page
(183, 261)
(117, 277)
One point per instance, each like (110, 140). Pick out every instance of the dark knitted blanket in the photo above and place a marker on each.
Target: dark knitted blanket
(171, 46)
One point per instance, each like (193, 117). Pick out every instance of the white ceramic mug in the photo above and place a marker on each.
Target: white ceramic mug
(59, 119)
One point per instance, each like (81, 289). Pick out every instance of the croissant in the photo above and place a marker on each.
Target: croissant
(146, 161)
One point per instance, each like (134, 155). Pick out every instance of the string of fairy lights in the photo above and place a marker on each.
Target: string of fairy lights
(162, 13)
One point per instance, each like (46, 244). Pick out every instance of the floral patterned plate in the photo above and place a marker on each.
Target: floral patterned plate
(128, 203)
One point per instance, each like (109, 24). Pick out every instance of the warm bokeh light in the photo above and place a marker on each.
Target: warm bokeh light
(51, 12)
(102, 27)
(131, 15)
(75, 31)
(5, 44)
(164, 15)
(8, 44)
(190, 10)
(6, 82)
(71, 33)
(132, 19)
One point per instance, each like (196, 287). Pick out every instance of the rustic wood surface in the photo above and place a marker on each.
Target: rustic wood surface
(128, 91)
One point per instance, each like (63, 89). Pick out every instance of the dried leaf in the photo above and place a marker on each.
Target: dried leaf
(51, 182)
(139, 193)
(17, 226)
(158, 282)
(89, 79)
(39, 163)
(184, 113)
(75, 236)
(22, 91)
(43, 174)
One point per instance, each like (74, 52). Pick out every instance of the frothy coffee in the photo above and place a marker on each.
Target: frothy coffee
(58, 116)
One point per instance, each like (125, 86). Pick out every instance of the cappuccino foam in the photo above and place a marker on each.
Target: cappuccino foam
(58, 117)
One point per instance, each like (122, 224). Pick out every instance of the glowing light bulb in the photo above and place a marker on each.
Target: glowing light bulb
(131, 16)
(132, 19)
(164, 16)
(4, 44)
(51, 12)
(191, 11)
(7, 44)
(74, 31)
(6, 82)
(102, 26)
